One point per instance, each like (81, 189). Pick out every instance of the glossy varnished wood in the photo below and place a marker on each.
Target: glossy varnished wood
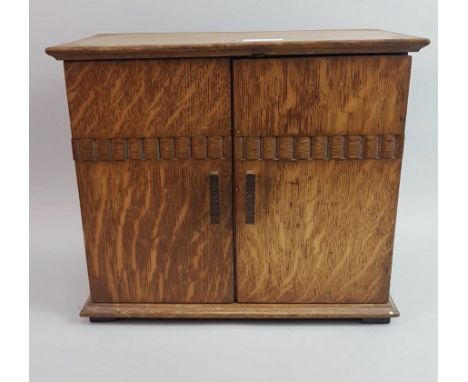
(241, 311)
(157, 45)
(324, 227)
(147, 137)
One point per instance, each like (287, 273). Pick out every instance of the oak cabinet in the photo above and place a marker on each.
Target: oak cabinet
(215, 183)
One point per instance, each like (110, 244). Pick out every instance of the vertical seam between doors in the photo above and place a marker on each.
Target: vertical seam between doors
(233, 185)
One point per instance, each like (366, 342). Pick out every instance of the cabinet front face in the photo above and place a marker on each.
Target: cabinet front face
(318, 145)
(152, 144)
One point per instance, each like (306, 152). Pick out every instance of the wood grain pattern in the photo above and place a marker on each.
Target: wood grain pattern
(321, 96)
(324, 228)
(387, 146)
(218, 44)
(145, 209)
(169, 148)
(148, 232)
(323, 231)
(149, 98)
(306, 180)
(241, 311)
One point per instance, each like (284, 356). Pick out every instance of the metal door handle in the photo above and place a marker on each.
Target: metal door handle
(250, 180)
(214, 198)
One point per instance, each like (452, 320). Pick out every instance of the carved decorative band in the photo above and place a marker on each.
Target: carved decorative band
(168, 148)
(247, 148)
(320, 147)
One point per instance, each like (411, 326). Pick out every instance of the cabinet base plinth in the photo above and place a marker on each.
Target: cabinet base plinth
(367, 313)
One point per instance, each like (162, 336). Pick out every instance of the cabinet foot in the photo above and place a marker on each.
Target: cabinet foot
(380, 320)
(103, 319)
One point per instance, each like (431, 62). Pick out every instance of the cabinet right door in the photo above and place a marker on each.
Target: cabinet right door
(318, 146)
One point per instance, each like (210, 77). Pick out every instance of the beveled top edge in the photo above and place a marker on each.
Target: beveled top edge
(242, 44)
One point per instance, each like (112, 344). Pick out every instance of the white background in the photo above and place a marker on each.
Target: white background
(66, 347)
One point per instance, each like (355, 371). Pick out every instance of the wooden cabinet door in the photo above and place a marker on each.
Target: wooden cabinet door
(318, 145)
(152, 144)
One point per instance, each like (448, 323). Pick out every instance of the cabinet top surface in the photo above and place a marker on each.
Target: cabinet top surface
(241, 44)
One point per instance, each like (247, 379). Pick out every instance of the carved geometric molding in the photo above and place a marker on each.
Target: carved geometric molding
(290, 148)
(319, 147)
(167, 148)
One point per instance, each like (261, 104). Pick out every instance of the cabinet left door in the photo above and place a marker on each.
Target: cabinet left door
(152, 147)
